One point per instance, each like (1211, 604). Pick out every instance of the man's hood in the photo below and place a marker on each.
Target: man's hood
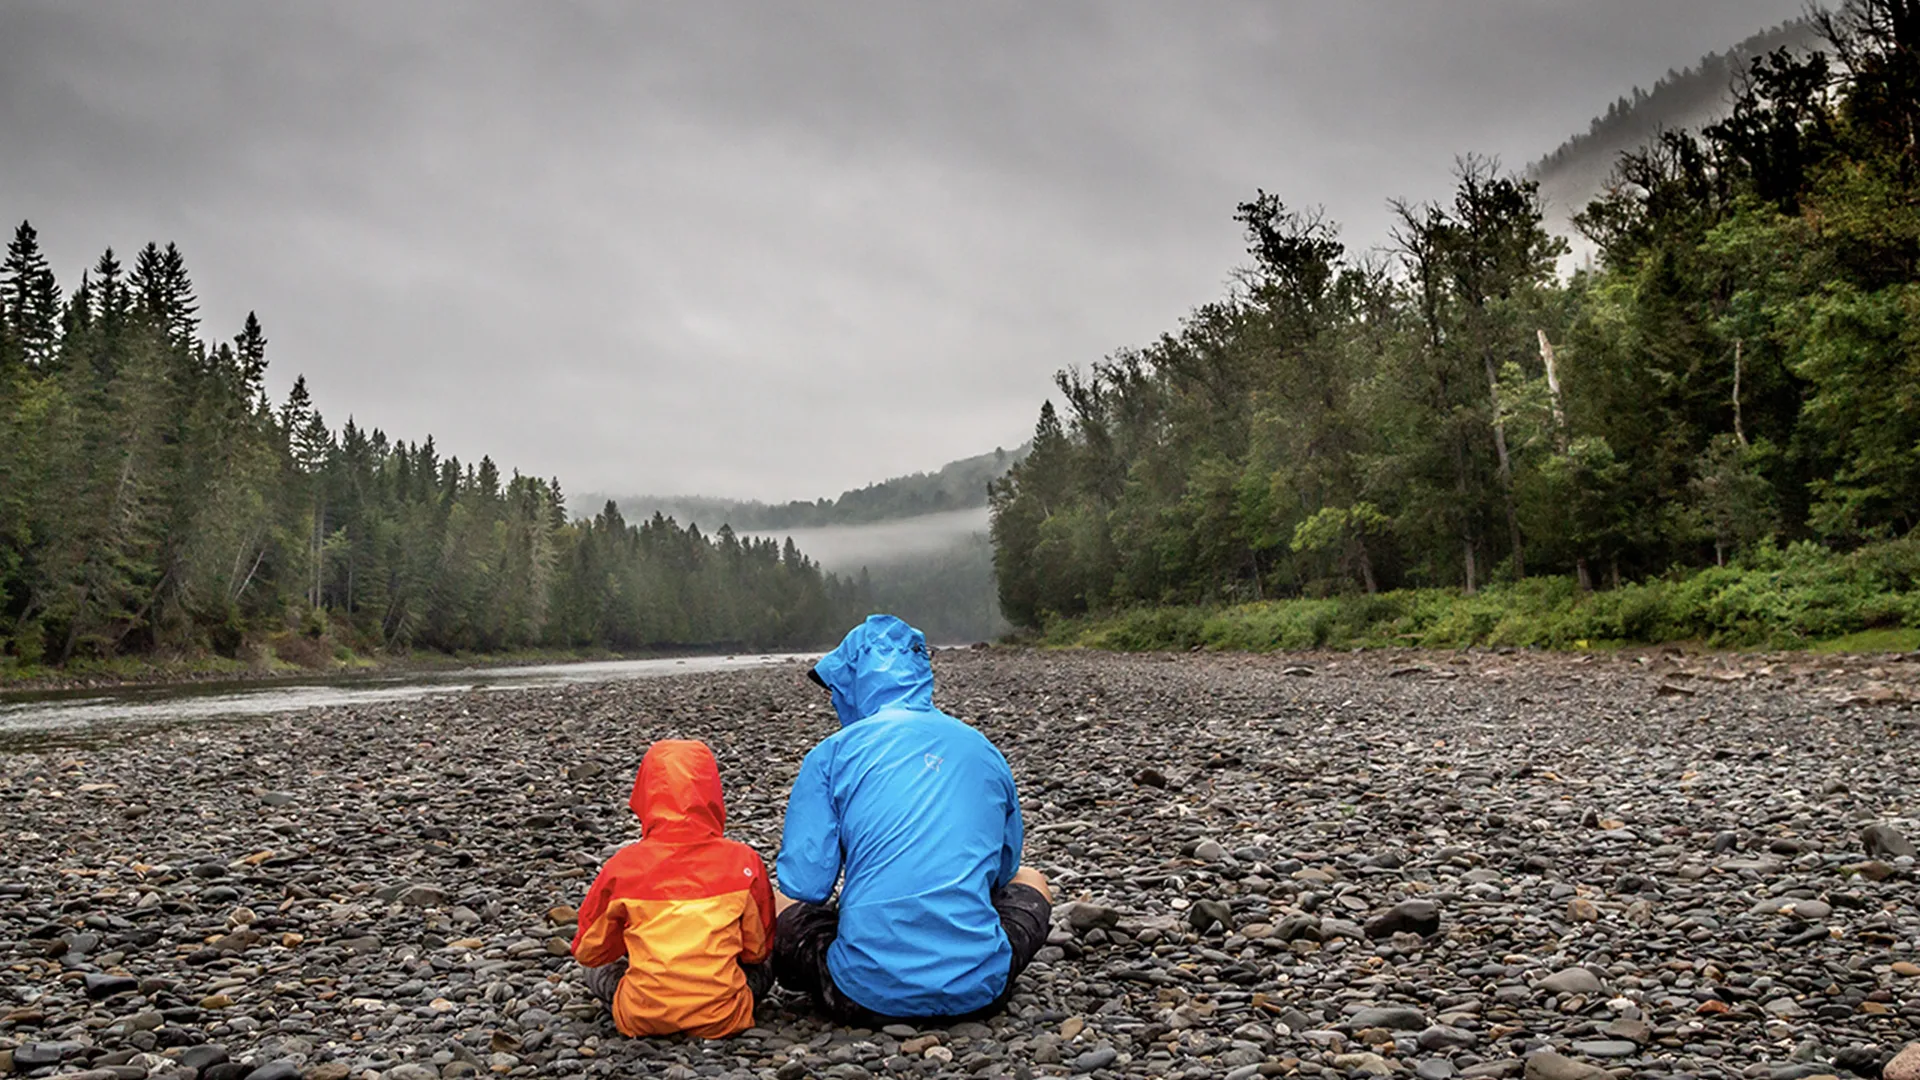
(677, 792)
(881, 664)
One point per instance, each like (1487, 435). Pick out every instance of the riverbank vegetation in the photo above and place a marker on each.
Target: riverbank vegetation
(153, 502)
(1803, 597)
(1714, 434)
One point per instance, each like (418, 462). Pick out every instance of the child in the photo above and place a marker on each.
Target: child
(676, 929)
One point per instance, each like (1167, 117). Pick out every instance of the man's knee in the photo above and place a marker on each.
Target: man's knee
(1034, 880)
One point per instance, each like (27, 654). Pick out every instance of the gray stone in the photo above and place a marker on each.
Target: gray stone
(1084, 916)
(1905, 1064)
(1442, 1037)
(1605, 1048)
(1883, 841)
(1097, 1058)
(1574, 980)
(1547, 1065)
(1206, 914)
(1420, 917)
(1392, 1017)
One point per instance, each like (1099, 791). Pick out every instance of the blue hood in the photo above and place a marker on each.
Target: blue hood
(881, 664)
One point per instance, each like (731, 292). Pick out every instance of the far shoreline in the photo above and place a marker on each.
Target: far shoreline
(139, 672)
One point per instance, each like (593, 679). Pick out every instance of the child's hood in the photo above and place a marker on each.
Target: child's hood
(677, 792)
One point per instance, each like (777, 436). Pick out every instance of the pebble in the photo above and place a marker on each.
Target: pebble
(1397, 1018)
(1390, 869)
(1548, 1065)
(1098, 1058)
(1571, 981)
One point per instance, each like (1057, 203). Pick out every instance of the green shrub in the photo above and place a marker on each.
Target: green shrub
(1771, 597)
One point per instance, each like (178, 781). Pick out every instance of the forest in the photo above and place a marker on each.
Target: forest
(940, 579)
(1732, 396)
(153, 501)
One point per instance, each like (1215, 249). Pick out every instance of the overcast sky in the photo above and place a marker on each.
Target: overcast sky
(769, 250)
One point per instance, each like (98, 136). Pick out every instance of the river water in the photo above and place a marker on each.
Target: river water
(31, 720)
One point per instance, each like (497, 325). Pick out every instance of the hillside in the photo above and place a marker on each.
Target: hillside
(957, 485)
(1578, 170)
(917, 544)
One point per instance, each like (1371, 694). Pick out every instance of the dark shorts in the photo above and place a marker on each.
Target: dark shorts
(804, 932)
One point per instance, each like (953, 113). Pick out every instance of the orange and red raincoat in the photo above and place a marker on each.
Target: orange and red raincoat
(685, 905)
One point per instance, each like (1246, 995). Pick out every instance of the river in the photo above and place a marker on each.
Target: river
(32, 720)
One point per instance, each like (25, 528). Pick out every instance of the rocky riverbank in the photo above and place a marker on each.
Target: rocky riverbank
(1408, 865)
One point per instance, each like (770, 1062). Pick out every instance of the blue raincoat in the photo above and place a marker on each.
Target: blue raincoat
(920, 811)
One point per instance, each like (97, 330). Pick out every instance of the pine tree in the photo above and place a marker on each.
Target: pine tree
(29, 303)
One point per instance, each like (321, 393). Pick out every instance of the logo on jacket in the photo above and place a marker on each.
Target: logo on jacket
(933, 762)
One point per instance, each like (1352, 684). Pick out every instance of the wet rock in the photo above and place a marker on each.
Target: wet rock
(1084, 916)
(1883, 841)
(39, 1055)
(1367, 1062)
(1098, 1058)
(1420, 917)
(1204, 915)
(100, 987)
(1393, 1017)
(1442, 1037)
(1548, 1065)
(424, 896)
(1571, 981)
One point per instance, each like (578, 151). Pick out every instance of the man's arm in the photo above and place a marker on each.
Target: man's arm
(809, 861)
(1015, 836)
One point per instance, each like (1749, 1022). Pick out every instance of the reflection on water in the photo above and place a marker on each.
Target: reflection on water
(35, 719)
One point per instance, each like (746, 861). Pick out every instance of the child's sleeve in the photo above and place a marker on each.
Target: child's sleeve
(602, 935)
(809, 861)
(757, 921)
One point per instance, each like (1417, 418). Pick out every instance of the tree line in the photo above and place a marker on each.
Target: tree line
(1676, 98)
(151, 498)
(1742, 371)
(957, 485)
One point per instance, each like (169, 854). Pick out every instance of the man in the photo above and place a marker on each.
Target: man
(936, 915)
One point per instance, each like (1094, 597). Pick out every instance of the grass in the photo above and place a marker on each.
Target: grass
(1799, 597)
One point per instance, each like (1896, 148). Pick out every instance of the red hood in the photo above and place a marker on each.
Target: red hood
(677, 792)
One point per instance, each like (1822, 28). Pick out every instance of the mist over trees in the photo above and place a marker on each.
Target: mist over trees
(957, 485)
(1740, 374)
(941, 582)
(152, 499)
(1687, 98)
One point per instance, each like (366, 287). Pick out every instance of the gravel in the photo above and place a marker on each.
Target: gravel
(1475, 865)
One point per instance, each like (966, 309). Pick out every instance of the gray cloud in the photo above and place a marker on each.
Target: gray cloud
(768, 250)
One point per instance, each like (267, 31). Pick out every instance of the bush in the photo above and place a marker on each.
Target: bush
(1771, 597)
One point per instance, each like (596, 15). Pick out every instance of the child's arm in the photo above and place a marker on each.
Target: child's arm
(756, 922)
(602, 934)
(809, 861)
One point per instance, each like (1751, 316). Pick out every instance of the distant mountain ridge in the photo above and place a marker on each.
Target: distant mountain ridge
(957, 485)
(1578, 170)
